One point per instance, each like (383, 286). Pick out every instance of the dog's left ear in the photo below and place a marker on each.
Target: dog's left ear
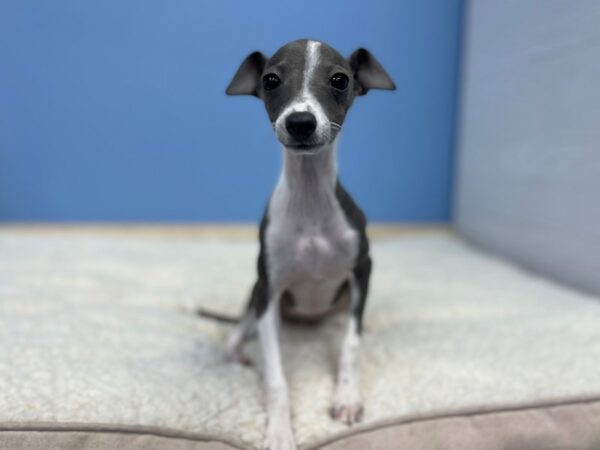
(247, 78)
(368, 73)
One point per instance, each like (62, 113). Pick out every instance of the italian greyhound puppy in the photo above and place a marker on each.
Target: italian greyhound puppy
(314, 253)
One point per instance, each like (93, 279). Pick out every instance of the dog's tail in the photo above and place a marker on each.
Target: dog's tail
(217, 316)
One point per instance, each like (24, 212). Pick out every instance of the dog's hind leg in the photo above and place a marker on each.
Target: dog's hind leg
(246, 325)
(240, 333)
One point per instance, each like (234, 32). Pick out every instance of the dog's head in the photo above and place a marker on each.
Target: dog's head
(308, 87)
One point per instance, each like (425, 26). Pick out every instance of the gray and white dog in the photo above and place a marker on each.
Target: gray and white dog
(314, 253)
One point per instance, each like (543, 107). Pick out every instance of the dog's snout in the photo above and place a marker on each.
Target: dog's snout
(301, 124)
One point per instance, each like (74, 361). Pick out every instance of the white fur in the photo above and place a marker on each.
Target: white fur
(279, 434)
(312, 59)
(311, 248)
(347, 404)
(234, 343)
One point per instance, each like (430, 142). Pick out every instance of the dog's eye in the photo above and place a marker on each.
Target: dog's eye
(271, 81)
(339, 81)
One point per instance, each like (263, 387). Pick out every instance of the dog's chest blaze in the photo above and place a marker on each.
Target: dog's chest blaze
(310, 253)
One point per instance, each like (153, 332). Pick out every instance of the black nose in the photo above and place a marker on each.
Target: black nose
(301, 124)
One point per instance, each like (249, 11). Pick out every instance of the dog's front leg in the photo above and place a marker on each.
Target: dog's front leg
(347, 404)
(279, 434)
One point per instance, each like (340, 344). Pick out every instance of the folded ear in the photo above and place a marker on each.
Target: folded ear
(369, 73)
(247, 78)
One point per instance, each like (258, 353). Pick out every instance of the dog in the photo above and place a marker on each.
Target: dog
(314, 249)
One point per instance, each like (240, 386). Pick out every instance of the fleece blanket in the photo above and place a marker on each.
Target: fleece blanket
(99, 329)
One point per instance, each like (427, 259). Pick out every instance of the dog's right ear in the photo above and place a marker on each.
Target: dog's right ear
(247, 78)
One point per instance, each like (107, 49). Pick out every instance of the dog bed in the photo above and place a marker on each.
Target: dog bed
(101, 349)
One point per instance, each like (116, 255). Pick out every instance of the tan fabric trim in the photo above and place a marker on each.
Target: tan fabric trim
(572, 425)
(569, 425)
(78, 436)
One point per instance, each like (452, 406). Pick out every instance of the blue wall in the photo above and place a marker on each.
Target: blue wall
(115, 110)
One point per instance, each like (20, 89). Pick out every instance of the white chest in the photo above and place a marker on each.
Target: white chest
(311, 249)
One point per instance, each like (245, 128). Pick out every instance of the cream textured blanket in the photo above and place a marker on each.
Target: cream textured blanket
(98, 329)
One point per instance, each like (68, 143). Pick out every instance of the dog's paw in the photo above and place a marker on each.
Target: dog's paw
(347, 406)
(279, 437)
(348, 414)
(238, 357)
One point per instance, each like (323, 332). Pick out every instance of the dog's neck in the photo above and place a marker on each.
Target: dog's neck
(310, 172)
(308, 181)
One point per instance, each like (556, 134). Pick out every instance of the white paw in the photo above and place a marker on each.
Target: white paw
(347, 406)
(348, 414)
(279, 437)
(237, 356)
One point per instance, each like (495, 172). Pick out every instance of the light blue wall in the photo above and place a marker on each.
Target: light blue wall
(115, 110)
(529, 154)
